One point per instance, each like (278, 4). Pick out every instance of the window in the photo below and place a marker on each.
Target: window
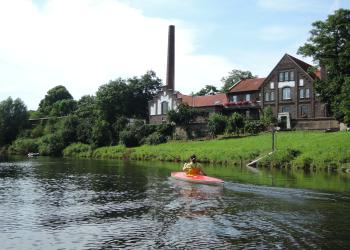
(285, 109)
(286, 76)
(301, 93)
(301, 82)
(247, 97)
(272, 85)
(281, 77)
(233, 98)
(267, 96)
(291, 76)
(272, 97)
(286, 94)
(164, 107)
(307, 93)
(303, 111)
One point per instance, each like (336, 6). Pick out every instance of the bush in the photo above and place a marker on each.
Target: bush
(155, 138)
(217, 124)
(51, 145)
(24, 146)
(281, 158)
(235, 123)
(78, 150)
(128, 138)
(253, 127)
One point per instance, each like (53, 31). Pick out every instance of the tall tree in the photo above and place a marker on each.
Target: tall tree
(329, 45)
(208, 89)
(234, 76)
(54, 95)
(13, 118)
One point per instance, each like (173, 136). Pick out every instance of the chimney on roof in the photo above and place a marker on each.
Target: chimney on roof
(170, 73)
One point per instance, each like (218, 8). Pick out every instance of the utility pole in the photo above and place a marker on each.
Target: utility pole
(273, 138)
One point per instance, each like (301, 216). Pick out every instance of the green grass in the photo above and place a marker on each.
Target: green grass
(295, 149)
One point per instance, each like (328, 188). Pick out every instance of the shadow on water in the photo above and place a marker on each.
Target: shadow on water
(85, 204)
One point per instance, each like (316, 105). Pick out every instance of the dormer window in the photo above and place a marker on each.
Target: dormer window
(286, 76)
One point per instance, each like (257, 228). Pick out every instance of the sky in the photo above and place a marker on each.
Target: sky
(83, 44)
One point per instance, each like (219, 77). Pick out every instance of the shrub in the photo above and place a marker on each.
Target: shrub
(155, 138)
(281, 158)
(217, 124)
(51, 145)
(253, 127)
(24, 146)
(78, 150)
(235, 123)
(112, 152)
(128, 138)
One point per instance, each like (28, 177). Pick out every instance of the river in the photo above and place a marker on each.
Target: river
(54, 203)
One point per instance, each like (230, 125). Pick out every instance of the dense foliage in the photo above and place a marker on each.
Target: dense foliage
(233, 77)
(208, 89)
(13, 118)
(329, 45)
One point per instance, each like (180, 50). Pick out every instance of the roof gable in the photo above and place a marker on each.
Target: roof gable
(244, 85)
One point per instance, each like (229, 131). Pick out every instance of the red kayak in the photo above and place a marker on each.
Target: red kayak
(202, 179)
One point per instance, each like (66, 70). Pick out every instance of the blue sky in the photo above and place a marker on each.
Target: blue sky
(83, 44)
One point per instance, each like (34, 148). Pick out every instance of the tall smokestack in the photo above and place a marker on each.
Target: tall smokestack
(170, 73)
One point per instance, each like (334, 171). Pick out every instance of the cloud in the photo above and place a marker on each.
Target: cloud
(83, 44)
(278, 33)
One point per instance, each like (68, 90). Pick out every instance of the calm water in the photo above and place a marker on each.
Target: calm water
(48, 203)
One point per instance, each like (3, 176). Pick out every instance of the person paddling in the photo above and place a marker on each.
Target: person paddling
(193, 168)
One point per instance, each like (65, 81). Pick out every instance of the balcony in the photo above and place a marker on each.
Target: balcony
(242, 104)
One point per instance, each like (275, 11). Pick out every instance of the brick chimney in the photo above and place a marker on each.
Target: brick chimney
(170, 73)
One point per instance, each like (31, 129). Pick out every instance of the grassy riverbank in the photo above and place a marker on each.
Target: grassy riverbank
(300, 149)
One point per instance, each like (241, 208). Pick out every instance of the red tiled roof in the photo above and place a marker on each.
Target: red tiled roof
(247, 85)
(204, 101)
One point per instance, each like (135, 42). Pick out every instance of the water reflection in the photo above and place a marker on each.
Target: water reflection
(55, 203)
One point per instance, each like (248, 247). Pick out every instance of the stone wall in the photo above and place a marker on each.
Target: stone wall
(315, 124)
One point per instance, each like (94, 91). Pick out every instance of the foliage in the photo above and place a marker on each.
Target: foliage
(208, 89)
(233, 77)
(23, 146)
(79, 150)
(267, 117)
(235, 123)
(128, 138)
(51, 144)
(155, 138)
(101, 135)
(69, 129)
(54, 95)
(280, 158)
(217, 124)
(184, 116)
(112, 152)
(13, 118)
(329, 45)
(127, 97)
(63, 107)
(253, 127)
(344, 101)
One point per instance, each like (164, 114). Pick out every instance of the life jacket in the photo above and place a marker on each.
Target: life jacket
(192, 169)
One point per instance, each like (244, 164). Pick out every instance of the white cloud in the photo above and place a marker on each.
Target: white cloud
(83, 44)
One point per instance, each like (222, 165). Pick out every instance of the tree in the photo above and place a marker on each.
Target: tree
(234, 76)
(217, 124)
(208, 89)
(142, 90)
(54, 95)
(184, 116)
(127, 97)
(267, 117)
(236, 123)
(13, 118)
(329, 45)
